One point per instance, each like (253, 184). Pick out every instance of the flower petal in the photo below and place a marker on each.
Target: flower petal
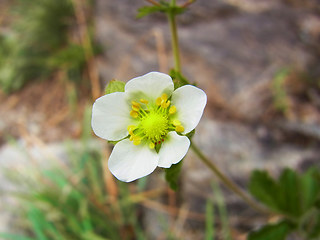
(129, 162)
(190, 102)
(110, 116)
(151, 86)
(173, 149)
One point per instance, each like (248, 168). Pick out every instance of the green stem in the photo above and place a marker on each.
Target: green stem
(174, 41)
(227, 181)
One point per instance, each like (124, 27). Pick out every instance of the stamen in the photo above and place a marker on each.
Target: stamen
(135, 108)
(158, 101)
(164, 97)
(134, 114)
(134, 103)
(172, 109)
(165, 104)
(179, 128)
(131, 137)
(131, 128)
(176, 122)
(151, 145)
(144, 101)
(136, 140)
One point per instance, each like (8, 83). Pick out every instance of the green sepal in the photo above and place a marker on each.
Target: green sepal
(178, 79)
(113, 142)
(277, 231)
(163, 7)
(114, 86)
(172, 175)
(191, 134)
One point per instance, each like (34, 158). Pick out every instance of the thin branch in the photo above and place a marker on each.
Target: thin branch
(187, 4)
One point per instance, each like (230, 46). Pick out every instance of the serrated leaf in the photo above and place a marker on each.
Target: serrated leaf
(172, 175)
(114, 86)
(277, 231)
(292, 194)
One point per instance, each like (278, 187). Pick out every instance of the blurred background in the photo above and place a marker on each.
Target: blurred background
(258, 62)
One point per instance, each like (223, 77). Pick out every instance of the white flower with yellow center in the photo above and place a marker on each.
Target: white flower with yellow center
(150, 120)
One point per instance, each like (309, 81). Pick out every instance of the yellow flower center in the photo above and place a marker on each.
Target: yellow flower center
(154, 125)
(156, 119)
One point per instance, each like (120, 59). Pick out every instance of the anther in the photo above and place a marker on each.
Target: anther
(152, 145)
(131, 128)
(134, 114)
(164, 97)
(172, 110)
(158, 101)
(179, 128)
(176, 122)
(144, 101)
(134, 103)
(165, 104)
(136, 140)
(135, 108)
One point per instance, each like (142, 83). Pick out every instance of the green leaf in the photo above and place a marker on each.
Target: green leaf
(209, 233)
(277, 231)
(114, 86)
(146, 10)
(289, 193)
(264, 188)
(310, 188)
(292, 194)
(172, 175)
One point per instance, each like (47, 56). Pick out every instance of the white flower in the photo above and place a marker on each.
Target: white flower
(150, 121)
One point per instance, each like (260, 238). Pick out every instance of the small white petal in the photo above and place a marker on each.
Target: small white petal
(129, 162)
(111, 116)
(173, 149)
(190, 102)
(150, 86)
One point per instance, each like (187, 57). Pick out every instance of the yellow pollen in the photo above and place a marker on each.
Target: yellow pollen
(165, 104)
(164, 97)
(158, 101)
(134, 103)
(172, 110)
(179, 128)
(144, 101)
(131, 128)
(136, 140)
(134, 114)
(151, 145)
(176, 122)
(135, 108)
